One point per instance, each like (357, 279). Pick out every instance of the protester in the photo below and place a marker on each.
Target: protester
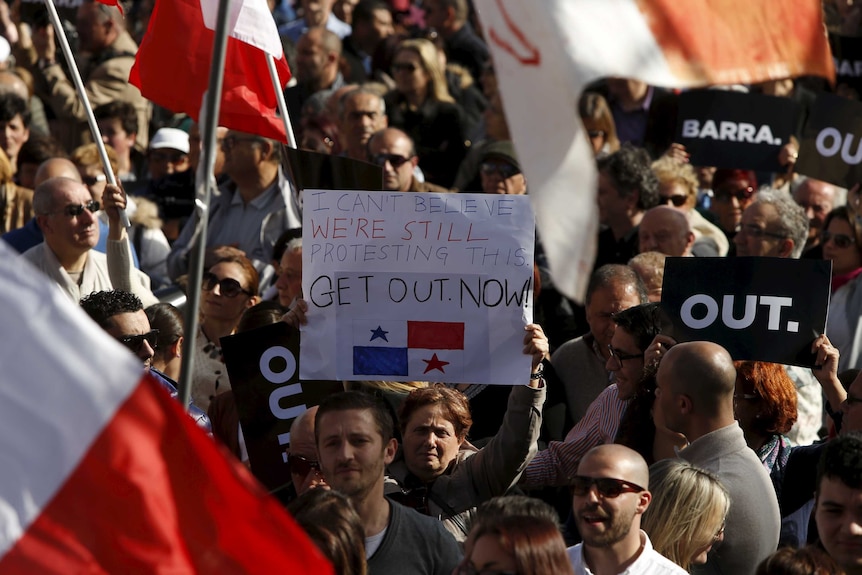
(168, 320)
(394, 151)
(841, 244)
(665, 230)
(372, 23)
(599, 124)
(765, 406)
(732, 192)
(609, 502)
(686, 516)
(15, 124)
(318, 53)
(168, 153)
(362, 113)
(649, 266)
(332, 523)
(118, 123)
(839, 490)
(302, 459)
(818, 199)
(500, 170)
(289, 282)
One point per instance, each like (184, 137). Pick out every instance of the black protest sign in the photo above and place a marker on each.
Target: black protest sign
(847, 53)
(735, 130)
(830, 149)
(264, 374)
(758, 308)
(316, 171)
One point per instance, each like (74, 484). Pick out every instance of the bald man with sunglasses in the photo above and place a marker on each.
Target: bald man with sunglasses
(66, 213)
(394, 151)
(608, 501)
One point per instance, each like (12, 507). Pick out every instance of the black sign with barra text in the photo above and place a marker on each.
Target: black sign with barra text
(758, 308)
(830, 148)
(735, 130)
(847, 53)
(264, 375)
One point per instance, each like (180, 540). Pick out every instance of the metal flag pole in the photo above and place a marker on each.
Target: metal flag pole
(82, 93)
(204, 185)
(279, 97)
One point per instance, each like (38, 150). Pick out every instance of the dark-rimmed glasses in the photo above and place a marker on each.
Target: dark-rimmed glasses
(404, 67)
(228, 287)
(841, 240)
(93, 180)
(743, 194)
(300, 465)
(395, 160)
(73, 211)
(505, 170)
(134, 342)
(607, 487)
(620, 357)
(677, 200)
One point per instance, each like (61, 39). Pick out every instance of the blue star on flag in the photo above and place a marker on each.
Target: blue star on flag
(379, 333)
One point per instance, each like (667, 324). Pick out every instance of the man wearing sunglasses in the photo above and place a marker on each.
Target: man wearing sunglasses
(394, 151)
(302, 453)
(66, 214)
(608, 501)
(694, 396)
(500, 170)
(122, 316)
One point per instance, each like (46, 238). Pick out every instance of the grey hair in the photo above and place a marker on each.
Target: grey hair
(342, 102)
(791, 217)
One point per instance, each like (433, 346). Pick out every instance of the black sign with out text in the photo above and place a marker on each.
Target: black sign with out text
(847, 53)
(735, 130)
(758, 308)
(830, 148)
(264, 374)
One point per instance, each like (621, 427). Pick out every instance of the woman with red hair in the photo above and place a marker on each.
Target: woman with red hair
(765, 406)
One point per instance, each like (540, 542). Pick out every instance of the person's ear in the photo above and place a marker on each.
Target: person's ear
(644, 499)
(390, 450)
(252, 301)
(684, 403)
(786, 248)
(177, 347)
(42, 222)
(415, 161)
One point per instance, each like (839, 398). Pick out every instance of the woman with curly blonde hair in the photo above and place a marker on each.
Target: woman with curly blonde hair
(686, 516)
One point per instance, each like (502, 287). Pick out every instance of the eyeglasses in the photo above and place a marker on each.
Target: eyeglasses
(135, 342)
(678, 200)
(467, 568)
(413, 498)
(73, 211)
(503, 169)
(759, 233)
(93, 180)
(404, 67)
(841, 240)
(607, 487)
(724, 196)
(232, 140)
(228, 287)
(851, 400)
(593, 134)
(395, 160)
(300, 465)
(620, 357)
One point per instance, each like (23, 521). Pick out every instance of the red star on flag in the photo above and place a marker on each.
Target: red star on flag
(434, 363)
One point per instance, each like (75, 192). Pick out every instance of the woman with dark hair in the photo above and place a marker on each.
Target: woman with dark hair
(520, 545)
(169, 347)
(421, 106)
(765, 406)
(331, 522)
(599, 123)
(842, 244)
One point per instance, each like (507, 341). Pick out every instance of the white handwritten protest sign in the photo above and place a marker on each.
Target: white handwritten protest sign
(410, 286)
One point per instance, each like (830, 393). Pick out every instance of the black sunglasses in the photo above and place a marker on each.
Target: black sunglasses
(74, 211)
(404, 67)
(93, 180)
(135, 342)
(228, 287)
(841, 240)
(725, 195)
(395, 160)
(300, 465)
(504, 169)
(678, 200)
(606, 486)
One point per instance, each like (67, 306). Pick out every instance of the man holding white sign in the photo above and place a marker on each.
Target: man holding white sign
(415, 286)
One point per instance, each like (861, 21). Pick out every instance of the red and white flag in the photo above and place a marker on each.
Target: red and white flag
(172, 66)
(102, 471)
(545, 53)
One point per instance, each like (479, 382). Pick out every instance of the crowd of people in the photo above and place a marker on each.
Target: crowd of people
(624, 451)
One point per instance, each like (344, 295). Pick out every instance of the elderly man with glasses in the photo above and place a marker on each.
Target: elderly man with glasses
(65, 212)
(252, 208)
(122, 316)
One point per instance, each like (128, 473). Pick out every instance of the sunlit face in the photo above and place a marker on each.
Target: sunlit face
(13, 135)
(394, 153)
(838, 513)
(846, 256)
(666, 231)
(729, 202)
(817, 199)
(289, 284)
(134, 323)
(219, 306)
(604, 303)
(430, 442)
(352, 453)
(759, 234)
(67, 234)
(489, 556)
(627, 370)
(115, 136)
(362, 116)
(94, 178)
(677, 196)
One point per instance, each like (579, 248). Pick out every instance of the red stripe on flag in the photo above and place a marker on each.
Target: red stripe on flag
(113, 3)
(153, 494)
(435, 335)
(173, 64)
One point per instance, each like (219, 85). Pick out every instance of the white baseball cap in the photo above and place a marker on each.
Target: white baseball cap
(171, 138)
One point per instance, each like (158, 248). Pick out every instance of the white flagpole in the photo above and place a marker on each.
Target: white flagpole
(279, 97)
(204, 184)
(82, 93)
